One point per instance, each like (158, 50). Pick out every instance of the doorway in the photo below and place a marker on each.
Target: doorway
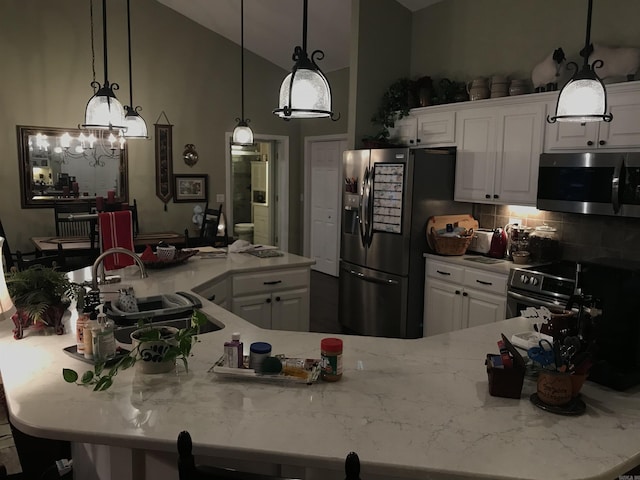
(323, 194)
(256, 190)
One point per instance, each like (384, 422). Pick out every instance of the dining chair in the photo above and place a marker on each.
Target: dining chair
(67, 225)
(188, 470)
(117, 206)
(57, 261)
(210, 221)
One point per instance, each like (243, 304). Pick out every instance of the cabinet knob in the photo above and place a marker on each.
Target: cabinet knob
(269, 300)
(496, 196)
(457, 292)
(277, 299)
(590, 143)
(487, 196)
(465, 294)
(410, 141)
(417, 140)
(602, 142)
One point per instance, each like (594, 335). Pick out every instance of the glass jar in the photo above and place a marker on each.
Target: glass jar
(544, 244)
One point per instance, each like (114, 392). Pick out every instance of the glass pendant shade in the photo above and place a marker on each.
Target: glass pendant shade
(136, 126)
(304, 93)
(104, 111)
(242, 134)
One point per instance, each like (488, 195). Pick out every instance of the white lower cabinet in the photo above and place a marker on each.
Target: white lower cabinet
(216, 291)
(458, 297)
(277, 300)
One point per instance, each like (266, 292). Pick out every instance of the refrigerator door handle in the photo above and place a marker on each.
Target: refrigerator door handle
(373, 279)
(364, 208)
(369, 207)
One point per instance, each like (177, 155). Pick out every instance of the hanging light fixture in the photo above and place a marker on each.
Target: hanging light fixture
(136, 126)
(584, 97)
(103, 110)
(305, 92)
(242, 134)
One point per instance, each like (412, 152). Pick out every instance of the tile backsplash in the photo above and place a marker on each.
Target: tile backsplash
(582, 237)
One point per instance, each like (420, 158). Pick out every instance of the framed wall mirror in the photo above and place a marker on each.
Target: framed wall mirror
(58, 164)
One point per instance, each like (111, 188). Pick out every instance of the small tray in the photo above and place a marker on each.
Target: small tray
(73, 352)
(180, 257)
(312, 366)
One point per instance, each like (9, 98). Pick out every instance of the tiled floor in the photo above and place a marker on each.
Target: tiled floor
(323, 318)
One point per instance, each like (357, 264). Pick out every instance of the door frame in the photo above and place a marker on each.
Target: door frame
(308, 142)
(282, 182)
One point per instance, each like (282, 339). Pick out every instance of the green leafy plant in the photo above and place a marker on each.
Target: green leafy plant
(394, 104)
(37, 288)
(179, 347)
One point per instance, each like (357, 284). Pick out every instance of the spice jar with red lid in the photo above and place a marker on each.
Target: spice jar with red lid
(331, 354)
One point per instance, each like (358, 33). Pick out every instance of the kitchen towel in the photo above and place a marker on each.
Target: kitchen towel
(116, 230)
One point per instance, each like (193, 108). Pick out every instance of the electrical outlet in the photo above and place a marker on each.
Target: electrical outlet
(219, 197)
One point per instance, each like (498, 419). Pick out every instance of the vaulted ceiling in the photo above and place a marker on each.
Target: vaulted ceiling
(272, 28)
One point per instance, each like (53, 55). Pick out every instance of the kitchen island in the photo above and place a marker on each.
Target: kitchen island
(409, 408)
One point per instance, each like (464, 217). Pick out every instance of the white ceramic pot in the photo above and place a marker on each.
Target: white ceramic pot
(151, 353)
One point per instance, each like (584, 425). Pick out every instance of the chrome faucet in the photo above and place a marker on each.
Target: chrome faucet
(101, 257)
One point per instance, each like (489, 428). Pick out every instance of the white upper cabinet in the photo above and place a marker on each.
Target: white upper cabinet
(623, 132)
(422, 128)
(498, 153)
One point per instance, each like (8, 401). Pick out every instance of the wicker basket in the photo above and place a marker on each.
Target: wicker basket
(451, 245)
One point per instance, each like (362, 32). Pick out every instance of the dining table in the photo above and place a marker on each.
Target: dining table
(47, 245)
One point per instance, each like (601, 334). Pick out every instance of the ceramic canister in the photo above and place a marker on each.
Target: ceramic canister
(478, 89)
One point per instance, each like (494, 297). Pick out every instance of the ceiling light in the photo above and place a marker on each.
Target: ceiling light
(584, 97)
(305, 92)
(103, 110)
(242, 134)
(136, 126)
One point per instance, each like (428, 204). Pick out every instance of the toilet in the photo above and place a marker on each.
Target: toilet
(244, 231)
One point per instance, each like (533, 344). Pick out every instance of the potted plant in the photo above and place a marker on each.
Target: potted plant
(156, 348)
(41, 295)
(394, 104)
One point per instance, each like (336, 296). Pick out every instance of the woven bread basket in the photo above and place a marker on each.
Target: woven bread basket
(451, 245)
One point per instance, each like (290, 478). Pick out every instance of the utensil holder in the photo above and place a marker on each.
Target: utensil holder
(505, 382)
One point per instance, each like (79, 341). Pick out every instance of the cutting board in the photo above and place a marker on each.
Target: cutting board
(440, 221)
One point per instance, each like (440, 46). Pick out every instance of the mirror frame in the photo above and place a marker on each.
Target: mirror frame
(26, 173)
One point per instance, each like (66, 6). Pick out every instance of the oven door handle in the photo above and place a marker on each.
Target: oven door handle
(615, 186)
(524, 298)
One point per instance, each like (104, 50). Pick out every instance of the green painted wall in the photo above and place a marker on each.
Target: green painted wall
(463, 39)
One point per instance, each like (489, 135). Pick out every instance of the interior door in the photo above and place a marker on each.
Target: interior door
(326, 161)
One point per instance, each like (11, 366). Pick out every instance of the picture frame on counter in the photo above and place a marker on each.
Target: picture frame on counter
(191, 188)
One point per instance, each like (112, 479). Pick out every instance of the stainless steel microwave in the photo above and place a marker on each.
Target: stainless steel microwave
(590, 183)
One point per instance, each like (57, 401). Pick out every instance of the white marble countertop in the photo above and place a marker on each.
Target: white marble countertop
(467, 260)
(409, 408)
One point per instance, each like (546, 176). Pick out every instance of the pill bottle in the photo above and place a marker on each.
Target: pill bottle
(233, 352)
(258, 351)
(331, 356)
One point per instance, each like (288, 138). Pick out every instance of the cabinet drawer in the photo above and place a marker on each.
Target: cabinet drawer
(444, 271)
(215, 292)
(482, 280)
(247, 283)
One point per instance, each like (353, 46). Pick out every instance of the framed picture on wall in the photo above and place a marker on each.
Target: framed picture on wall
(190, 188)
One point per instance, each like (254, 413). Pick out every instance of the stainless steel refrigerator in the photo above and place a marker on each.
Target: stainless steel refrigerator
(388, 196)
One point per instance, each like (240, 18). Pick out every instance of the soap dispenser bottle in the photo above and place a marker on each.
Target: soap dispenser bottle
(104, 342)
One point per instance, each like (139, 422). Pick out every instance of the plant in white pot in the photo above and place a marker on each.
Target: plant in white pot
(155, 349)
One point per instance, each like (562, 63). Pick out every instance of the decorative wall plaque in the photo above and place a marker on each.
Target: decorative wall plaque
(164, 160)
(190, 155)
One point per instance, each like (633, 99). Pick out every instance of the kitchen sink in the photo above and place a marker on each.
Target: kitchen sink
(122, 334)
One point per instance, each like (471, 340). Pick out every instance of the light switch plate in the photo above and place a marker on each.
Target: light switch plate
(219, 197)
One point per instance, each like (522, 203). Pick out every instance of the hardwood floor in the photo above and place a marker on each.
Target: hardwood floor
(324, 303)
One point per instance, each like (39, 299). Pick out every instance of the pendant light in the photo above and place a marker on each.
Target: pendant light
(242, 134)
(103, 110)
(305, 92)
(136, 126)
(584, 97)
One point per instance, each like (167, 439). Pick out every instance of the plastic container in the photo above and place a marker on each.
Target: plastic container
(258, 351)
(331, 355)
(544, 244)
(233, 352)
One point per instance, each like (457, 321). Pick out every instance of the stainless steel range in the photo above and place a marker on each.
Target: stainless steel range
(549, 285)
